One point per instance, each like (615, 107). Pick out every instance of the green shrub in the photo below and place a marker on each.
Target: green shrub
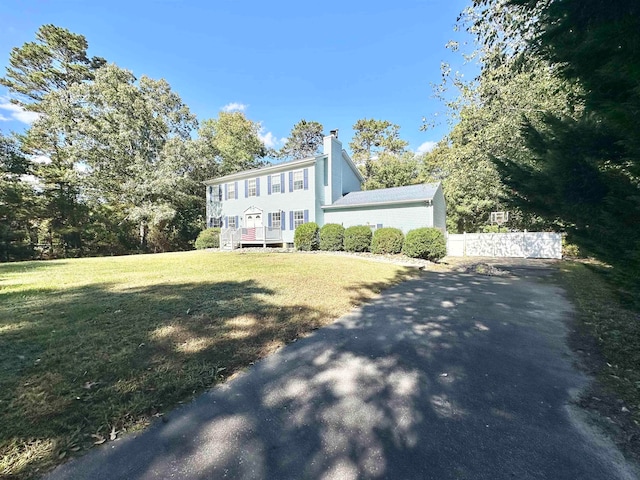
(387, 240)
(570, 249)
(357, 239)
(427, 243)
(209, 238)
(306, 236)
(332, 237)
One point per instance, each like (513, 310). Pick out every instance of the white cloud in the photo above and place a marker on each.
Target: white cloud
(268, 138)
(17, 113)
(426, 147)
(234, 107)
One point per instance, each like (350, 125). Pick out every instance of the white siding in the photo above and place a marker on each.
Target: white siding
(288, 201)
(404, 217)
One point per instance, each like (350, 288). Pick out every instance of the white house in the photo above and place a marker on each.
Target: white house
(265, 205)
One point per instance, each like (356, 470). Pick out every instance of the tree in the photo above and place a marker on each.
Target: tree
(389, 170)
(130, 134)
(17, 203)
(582, 168)
(372, 138)
(39, 77)
(57, 60)
(304, 141)
(511, 89)
(228, 144)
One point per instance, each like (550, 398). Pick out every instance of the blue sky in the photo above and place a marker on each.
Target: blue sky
(332, 62)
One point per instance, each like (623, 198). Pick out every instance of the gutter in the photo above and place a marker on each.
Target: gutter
(374, 204)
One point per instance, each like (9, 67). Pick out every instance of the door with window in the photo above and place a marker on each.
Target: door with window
(253, 220)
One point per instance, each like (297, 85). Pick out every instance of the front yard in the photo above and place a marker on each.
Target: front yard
(92, 348)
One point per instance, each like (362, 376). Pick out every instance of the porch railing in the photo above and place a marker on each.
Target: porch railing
(232, 238)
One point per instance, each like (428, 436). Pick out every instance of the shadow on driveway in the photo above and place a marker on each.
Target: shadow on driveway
(450, 376)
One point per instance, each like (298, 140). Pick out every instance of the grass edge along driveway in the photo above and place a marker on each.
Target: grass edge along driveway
(92, 348)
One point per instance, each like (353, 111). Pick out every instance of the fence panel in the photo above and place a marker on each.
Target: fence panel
(518, 244)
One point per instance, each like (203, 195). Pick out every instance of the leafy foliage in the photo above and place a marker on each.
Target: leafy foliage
(304, 141)
(115, 156)
(209, 238)
(371, 138)
(357, 239)
(306, 237)
(390, 170)
(332, 237)
(387, 241)
(426, 243)
(17, 203)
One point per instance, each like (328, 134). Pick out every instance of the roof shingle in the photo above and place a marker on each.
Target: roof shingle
(423, 191)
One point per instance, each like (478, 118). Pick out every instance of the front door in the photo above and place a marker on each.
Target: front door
(253, 221)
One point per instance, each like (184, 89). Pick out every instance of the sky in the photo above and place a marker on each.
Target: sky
(278, 62)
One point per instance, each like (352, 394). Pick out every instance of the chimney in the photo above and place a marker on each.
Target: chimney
(334, 133)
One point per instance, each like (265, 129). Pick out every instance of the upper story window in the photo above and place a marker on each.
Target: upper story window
(276, 187)
(251, 189)
(215, 193)
(298, 180)
(231, 190)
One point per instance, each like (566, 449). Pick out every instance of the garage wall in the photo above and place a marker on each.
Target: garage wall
(404, 217)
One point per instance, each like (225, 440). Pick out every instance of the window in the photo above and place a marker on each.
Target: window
(215, 193)
(252, 187)
(275, 184)
(298, 180)
(231, 190)
(276, 220)
(215, 222)
(298, 218)
(232, 222)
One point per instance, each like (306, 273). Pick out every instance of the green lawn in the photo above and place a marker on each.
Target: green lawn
(92, 348)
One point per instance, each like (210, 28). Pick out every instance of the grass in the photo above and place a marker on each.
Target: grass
(616, 330)
(92, 348)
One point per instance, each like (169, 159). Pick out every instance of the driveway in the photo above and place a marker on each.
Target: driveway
(450, 376)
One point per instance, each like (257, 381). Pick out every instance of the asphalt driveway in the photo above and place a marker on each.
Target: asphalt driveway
(451, 376)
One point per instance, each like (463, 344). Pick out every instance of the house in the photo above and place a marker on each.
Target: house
(264, 206)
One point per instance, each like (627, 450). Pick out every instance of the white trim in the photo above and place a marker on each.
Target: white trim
(280, 167)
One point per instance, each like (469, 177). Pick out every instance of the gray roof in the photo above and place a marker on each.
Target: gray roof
(421, 192)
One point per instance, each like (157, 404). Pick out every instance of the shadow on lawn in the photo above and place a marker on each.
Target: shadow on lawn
(95, 359)
(452, 375)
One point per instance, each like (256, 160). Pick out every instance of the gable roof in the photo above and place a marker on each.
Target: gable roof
(423, 192)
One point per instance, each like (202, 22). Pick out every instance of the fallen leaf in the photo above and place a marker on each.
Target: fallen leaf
(113, 434)
(99, 439)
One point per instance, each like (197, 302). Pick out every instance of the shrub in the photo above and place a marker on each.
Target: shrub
(209, 238)
(387, 240)
(332, 237)
(306, 236)
(427, 243)
(570, 250)
(357, 239)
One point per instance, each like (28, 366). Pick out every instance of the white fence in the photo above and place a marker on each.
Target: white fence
(520, 244)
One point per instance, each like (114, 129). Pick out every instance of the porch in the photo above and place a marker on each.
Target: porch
(232, 238)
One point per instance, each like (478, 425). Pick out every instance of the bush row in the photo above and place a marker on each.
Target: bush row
(426, 243)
